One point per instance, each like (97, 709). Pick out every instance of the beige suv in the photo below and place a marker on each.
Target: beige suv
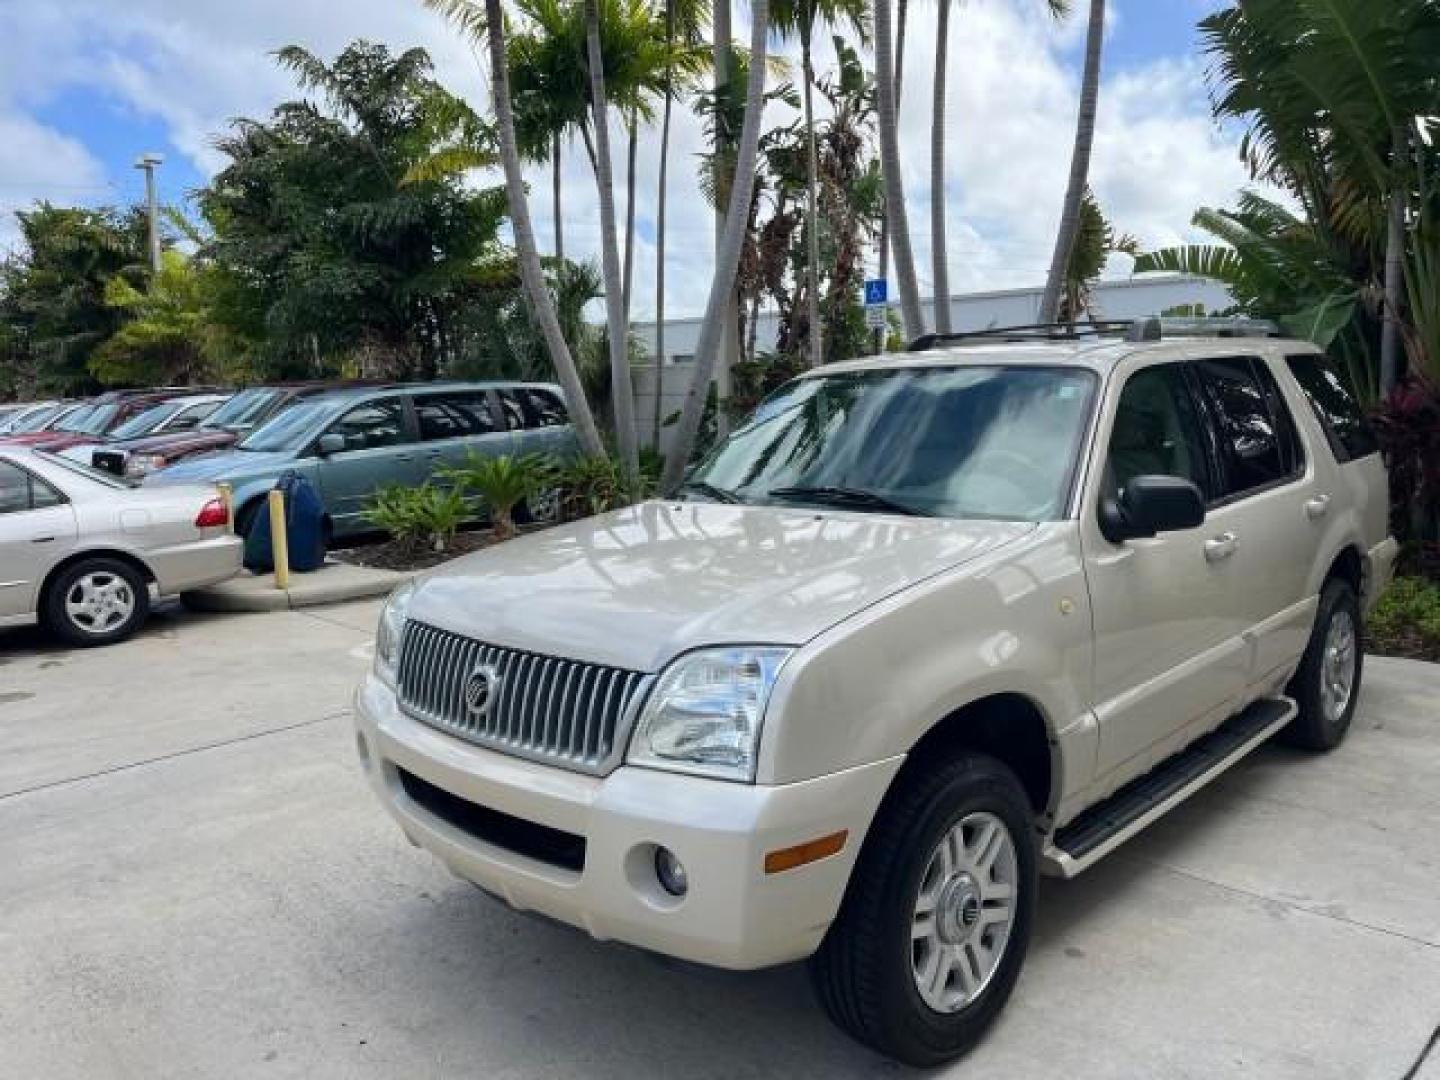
(924, 627)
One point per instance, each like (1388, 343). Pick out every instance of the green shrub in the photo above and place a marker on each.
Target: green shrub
(593, 485)
(418, 517)
(1406, 622)
(503, 483)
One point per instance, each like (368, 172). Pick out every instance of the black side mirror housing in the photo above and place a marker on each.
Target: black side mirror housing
(1150, 505)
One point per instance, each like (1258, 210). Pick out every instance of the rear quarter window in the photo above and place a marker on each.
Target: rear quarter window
(1335, 405)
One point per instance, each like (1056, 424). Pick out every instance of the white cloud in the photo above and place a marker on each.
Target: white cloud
(194, 64)
(40, 163)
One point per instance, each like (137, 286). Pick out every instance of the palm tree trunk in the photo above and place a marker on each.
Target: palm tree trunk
(630, 216)
(555, 198)
(1079, 164)
(727, 261)
(660, 226)
(937, 174)
(812, 214)
(890, 167)
(621, 394)
(1394, 278)
(537, 292)
(723, 34)
(902, 9)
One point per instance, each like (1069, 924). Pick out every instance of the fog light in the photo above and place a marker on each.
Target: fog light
(671, 872)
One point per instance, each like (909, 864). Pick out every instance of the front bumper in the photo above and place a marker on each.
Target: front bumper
(733, 916)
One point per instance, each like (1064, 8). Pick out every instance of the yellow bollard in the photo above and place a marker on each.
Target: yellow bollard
(279, 543)
(227, 496)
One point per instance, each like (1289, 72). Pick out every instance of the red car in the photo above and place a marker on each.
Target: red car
(95, 420)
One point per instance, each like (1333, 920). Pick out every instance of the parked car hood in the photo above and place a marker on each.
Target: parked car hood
(223, 466)
(55, 441)
(636, 587)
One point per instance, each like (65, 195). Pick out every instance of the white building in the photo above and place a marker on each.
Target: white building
(1130, 298)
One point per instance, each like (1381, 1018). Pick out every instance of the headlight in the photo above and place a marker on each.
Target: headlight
(137, 465)
(392, 627)
(703, 716)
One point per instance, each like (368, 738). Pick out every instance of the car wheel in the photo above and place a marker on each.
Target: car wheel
(1326, 686)
(936, 920)
(543, 508)
(96, 602)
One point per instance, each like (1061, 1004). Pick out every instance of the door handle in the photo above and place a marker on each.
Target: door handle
(1317, 507)
(1221, 547)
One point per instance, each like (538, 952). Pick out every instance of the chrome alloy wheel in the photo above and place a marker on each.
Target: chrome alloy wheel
(1338, 663)
(100, 601)
(964, 912)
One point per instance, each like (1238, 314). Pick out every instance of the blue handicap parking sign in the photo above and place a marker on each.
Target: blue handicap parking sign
(875, 291)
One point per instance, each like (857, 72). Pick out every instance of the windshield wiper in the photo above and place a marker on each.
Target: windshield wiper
(710, 491)
(848, 497)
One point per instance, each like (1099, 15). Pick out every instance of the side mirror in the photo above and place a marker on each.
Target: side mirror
(1149, 505)
(330, 443)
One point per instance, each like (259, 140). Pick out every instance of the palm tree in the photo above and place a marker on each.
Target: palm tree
(899, 224)
(1079, 164)
(617, 318)
(938, 137)
(799, 17)
(902, 8)
(727, 260)
(489, 23)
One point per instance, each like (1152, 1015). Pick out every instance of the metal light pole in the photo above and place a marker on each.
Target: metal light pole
(147, 163)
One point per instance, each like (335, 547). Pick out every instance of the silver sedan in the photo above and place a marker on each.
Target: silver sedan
(82, 551)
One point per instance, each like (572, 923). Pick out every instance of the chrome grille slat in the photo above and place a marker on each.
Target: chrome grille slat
(548, 708)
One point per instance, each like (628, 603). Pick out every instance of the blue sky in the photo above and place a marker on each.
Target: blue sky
(86, 86)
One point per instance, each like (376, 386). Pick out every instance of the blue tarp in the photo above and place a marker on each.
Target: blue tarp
(305, 528)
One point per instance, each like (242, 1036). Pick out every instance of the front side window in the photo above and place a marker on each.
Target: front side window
(371, 426)
(1336, 407)
(1157, 431)
(964, 442)
(514, 409)
(1257, 434)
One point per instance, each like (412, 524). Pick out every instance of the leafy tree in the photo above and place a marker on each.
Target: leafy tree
(1095, 241)
(52, 294)
(319, 240)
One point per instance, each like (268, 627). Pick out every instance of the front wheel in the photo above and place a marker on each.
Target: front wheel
(935, 923)
(1326, 686)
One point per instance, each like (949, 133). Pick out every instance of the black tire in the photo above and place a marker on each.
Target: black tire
(1313, 728)
(862, 972)
(60, 622)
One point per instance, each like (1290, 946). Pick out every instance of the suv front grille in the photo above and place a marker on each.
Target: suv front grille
(546, 708)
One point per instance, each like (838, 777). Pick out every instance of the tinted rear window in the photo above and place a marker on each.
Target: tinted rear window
(1336, 406)
(1257, 433)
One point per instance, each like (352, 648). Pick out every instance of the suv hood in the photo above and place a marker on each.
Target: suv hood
(223, 465)
(636, 587)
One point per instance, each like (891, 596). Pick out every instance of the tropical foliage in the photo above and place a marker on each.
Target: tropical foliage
(421, 519)
(501, 484)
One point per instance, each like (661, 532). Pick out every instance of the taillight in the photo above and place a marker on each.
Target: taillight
(212, 515)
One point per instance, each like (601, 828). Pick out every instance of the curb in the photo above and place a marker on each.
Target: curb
(334, 584)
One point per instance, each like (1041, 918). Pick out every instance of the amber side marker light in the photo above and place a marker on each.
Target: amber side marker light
(789, 858)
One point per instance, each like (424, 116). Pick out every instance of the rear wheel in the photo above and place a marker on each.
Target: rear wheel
(96, 602)
(935, 923)
(1326, 686)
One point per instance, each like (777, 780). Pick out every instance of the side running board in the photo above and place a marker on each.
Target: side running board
(1108, 824)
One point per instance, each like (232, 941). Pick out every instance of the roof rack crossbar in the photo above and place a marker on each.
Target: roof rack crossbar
(1023, 332)
(1150, 328)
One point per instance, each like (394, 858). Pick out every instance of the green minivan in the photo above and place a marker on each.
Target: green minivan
(349, 442)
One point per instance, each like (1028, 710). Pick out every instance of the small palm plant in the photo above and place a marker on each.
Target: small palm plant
(426, 516)
(503, 483)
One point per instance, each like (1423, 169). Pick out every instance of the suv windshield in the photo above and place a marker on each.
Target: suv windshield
(289, 429)
(240, 411)
(960, 442)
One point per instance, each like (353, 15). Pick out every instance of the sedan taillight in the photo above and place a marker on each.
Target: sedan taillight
(212, 515)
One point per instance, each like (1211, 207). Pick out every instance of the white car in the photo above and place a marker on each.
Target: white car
(924, 627)
(82, 551)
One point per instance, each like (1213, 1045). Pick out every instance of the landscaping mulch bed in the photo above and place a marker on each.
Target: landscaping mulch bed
(399, 555)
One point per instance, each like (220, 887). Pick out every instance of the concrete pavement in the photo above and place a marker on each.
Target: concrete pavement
(194, 882)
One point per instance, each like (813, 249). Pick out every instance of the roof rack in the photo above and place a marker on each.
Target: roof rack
(1151, 328)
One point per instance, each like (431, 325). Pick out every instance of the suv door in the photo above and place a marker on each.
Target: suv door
(457, 423)
(379, 449)
(37, 528)
(1261, 522)
(1169, 661)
